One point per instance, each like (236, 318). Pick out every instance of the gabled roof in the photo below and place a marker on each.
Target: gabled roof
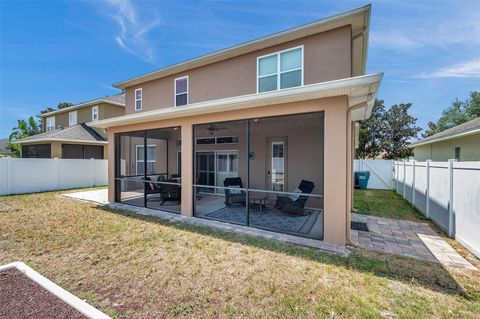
(361, 92)
(80, 133)
(4, 150)
(359, 19)
(467, 128)
(117, 99)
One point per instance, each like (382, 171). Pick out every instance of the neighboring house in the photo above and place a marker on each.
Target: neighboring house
(4, 150)
(461, 142)
(66, 133)
(259, 134)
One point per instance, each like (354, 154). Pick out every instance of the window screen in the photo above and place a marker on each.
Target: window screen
(77, 151)
(36, 151)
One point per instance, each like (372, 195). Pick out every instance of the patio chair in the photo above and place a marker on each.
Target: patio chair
(289, 205)
(233, 195)
(150, 188)
(170, 192)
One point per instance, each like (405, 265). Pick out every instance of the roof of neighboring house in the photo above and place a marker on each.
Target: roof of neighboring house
(359, 19)
(467, 128)
(80, 133)
(3, 147)
(117, 99)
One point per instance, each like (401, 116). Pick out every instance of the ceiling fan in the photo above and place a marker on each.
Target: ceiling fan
(212, 129)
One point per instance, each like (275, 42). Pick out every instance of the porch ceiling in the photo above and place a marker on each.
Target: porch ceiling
(361, 92)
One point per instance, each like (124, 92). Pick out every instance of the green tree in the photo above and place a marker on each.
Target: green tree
(22, 130)
(47, 110)
(370, 133)
(399, 128)
(459, 112)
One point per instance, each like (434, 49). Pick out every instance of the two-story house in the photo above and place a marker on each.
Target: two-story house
(66, 133)
(260, 134)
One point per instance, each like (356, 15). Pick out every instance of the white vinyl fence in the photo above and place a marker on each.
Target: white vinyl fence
(446, 192)
(30, 175)
(381, 172)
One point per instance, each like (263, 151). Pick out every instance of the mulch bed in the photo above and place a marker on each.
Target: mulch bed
(22, 298)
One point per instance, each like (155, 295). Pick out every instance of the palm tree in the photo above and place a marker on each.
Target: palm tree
(23, 129)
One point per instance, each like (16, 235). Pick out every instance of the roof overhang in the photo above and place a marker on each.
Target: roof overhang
(446, 138)
(79, 106)
(361, 92)
(358, 19)
(63, 140)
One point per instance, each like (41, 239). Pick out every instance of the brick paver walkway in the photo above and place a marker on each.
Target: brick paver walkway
(406, 238)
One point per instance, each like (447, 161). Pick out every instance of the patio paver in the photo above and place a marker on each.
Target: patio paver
(406, 238)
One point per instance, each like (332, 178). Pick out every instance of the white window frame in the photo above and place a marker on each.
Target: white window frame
(272, 162)
(279, 73)
(140, 99)
(137, 160)
(50, 128)
(70, 122)
(95, 112)
(175, 90)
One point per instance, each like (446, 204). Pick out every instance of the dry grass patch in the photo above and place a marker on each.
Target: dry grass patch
(133, 267)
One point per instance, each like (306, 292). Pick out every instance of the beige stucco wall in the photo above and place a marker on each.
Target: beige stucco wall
(107, 111)
(327, 56)
(337, 154)
(445, 150)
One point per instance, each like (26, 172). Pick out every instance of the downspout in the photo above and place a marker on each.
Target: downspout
(350, 133)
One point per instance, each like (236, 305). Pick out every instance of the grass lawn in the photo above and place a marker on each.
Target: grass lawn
(384, 203)
(133, 267)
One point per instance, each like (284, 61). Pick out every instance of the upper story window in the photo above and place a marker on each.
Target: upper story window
(72, 118)
(95, 113)
(50, 123)
(280, 70)
(138, 99)
(181, 91)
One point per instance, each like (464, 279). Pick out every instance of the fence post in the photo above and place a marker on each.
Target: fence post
(413, 183)
(404, 174)
(427, 191)
(92, 172)
(395, 165)
(56, 163)
(451, 216)
(9, 176)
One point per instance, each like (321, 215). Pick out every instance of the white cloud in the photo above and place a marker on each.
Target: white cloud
(394, 40)
(470, 69)
(422, 27)
(133, 34)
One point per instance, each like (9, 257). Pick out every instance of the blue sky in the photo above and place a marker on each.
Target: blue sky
(72, 51)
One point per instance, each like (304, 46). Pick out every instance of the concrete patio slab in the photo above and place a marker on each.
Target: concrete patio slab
(406, 238)
(99, 196)
(301, 241)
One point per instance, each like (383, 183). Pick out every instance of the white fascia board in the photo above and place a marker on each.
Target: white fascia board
(79, 106)
(365, 84)
(50, 140)
(445, 138)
